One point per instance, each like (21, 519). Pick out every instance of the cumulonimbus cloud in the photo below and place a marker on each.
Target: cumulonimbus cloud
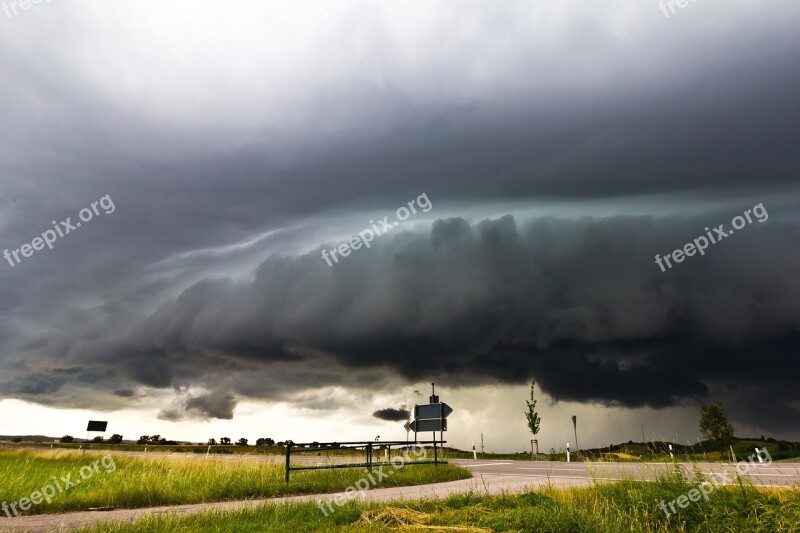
(579, 304)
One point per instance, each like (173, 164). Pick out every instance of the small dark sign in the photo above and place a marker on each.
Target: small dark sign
(99, 427)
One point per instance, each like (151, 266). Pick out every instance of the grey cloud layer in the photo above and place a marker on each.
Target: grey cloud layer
(581, 305)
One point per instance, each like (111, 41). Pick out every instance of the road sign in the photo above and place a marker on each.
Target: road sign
(96, 426)
(432, 410)
(429, 424)
(407, 426)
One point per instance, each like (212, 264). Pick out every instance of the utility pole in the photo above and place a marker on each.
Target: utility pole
(575, 428)
(435, 399)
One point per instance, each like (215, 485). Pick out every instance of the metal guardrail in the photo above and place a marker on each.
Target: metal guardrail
(369, 447)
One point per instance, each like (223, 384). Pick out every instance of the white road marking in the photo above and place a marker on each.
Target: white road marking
(553, 469)
(757, 474)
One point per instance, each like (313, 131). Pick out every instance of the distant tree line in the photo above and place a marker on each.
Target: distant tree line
(116, 438)
(226, 441)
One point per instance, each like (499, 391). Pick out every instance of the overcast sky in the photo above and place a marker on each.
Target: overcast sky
(557, 147)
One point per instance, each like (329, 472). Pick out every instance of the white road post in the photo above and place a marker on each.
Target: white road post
(760, 460)
(670, 452)
(568, 452)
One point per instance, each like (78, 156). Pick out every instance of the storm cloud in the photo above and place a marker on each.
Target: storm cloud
(579, 304)
(392, 415)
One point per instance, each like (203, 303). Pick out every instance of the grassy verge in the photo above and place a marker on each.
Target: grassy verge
(179, 448)
(144, 482)
(626, 506)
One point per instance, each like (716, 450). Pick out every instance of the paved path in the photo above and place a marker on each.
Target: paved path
(560, 473)
(490, 477)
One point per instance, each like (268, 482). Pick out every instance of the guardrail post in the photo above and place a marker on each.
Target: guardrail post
(288, 459)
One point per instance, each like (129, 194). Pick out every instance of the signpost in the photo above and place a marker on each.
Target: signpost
(430, 417)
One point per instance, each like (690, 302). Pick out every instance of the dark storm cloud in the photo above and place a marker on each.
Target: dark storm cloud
(213, 405)
(391, 414)
(579, 304)
(217, 404)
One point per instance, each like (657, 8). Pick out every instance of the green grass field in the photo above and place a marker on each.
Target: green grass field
(655, 451)
(179, 448)
(153, 481)
(613, 508)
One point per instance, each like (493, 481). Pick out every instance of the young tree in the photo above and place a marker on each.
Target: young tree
(714, 424)
(531, 414)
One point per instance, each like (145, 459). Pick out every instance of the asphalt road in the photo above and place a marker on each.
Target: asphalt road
(561, 473)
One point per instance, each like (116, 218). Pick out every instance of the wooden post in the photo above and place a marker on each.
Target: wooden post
(288, 459)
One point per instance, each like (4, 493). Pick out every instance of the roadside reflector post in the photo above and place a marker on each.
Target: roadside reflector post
(758, 454)
(568, 452)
